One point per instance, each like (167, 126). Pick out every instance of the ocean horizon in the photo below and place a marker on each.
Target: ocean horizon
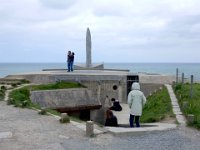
(153, 68)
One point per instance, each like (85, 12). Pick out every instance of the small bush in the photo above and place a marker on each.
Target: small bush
(20, 97)
(64, 119)
(2, 92)
(25, 103)
(43, 111)
(14, 85)
(10, 102)
(23, 81)
(177, 87)
(3, 88)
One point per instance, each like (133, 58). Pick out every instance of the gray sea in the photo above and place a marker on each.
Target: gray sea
(158, 68)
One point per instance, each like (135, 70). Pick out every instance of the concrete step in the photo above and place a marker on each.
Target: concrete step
(123, 116)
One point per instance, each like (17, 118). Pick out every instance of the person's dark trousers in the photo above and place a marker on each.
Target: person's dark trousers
(68, 66)
(137, 120)
(72, 66)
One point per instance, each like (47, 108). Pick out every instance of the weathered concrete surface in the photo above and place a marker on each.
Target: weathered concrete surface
(150, 88)
(5, 135)
(50, 76)
(156, 78)
(71, 99)
(91, 66)
(24, 129)
(175, 106)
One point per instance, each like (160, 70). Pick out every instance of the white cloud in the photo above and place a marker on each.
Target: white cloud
(55, 4)
(146, 29)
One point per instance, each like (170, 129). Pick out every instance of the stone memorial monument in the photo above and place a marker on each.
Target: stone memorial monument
(88, 49)
(89, 64)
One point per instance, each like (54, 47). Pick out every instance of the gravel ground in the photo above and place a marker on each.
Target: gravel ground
(168, 140)
(35, 132)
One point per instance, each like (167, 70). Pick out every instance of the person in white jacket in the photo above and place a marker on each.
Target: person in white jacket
(136, 101)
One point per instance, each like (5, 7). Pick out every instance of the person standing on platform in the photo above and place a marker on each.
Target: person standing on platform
(72, 61)
(136, 102)
(69, 61)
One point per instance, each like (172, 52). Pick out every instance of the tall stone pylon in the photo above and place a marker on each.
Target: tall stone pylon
(89, 65)
(88, 49)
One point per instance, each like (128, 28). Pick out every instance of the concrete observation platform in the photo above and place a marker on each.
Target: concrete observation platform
(143, 77)
(117, 77)
(75, 72)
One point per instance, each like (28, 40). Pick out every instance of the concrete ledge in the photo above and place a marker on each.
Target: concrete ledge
(66, 99)
(5, 135)
(152, 127)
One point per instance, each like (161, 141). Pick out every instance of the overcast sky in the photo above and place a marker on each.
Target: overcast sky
(121, 30)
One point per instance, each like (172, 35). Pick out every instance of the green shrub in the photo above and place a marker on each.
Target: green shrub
(64, 118)
(24, 81)
(2, 92)
(20, 98)
(14, 85)
(177, 87)
(3, 88)
(42, 111)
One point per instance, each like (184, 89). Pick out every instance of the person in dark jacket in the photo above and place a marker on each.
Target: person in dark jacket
(70, 61)
(116, 105)
(111, 119)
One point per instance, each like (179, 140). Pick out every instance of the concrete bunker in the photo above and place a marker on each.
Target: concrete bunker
(101, 83)
(76, 102)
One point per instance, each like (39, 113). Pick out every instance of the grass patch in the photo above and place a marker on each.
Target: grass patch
(158, 107)
(58, 85)
(183, 95)
(54, 112)
(20, 98)
(8, 84)
(13, 81)
(77, 119)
